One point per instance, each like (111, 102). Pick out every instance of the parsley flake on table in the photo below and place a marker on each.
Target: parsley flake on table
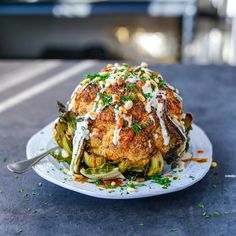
(173, 229)
(226, 189)
(200, 205)
(216, 213)
(21, 190)
(18, 232)
(205, 215)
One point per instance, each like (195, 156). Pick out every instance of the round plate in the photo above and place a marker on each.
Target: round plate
(51, 170)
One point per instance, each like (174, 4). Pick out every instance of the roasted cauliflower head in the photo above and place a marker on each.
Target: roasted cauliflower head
(124, 118)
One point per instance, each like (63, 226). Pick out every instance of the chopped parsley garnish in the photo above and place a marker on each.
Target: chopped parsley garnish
(107, 99)
(125, 123)
(105, 76)
(96, 106)
(130, 87)
(83, 128)
(131, 184)
(125, 65)
(111, 186)
(161, 83)
(153, 76)
(147, 124)
(96, 181)
(191, 177)
(125, 76)
(147, 95)
(92, 76)
(153, 87)
(158, 179)
(133, 72)
(136, 128)
(126, 98)
(143, 78)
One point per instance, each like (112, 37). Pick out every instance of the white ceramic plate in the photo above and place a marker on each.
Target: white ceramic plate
(49, 168)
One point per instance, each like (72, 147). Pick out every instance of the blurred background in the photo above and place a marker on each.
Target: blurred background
(158, 31)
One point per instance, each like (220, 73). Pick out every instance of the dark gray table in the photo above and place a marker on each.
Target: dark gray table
(29, 205)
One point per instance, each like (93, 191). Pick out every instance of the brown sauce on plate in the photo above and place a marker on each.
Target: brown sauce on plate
(81, 179)
(200, 151)
(196, 159)
(103, 184)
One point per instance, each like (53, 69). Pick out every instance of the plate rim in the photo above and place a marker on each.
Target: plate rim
(111, 196)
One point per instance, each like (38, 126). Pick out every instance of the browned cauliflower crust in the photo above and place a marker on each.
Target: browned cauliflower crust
(133, 114)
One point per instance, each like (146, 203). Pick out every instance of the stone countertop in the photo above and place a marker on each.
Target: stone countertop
(29, 205)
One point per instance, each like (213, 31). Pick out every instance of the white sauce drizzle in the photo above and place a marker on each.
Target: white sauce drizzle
(158, 107)
(78, 88)
(156, 136)
(132, 79)
(159, 113)
(149, 143)
(81, 133)
(117, 130)
(128, 119)
(152, 119)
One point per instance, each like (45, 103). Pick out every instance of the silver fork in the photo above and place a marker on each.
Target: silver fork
(22, 166)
